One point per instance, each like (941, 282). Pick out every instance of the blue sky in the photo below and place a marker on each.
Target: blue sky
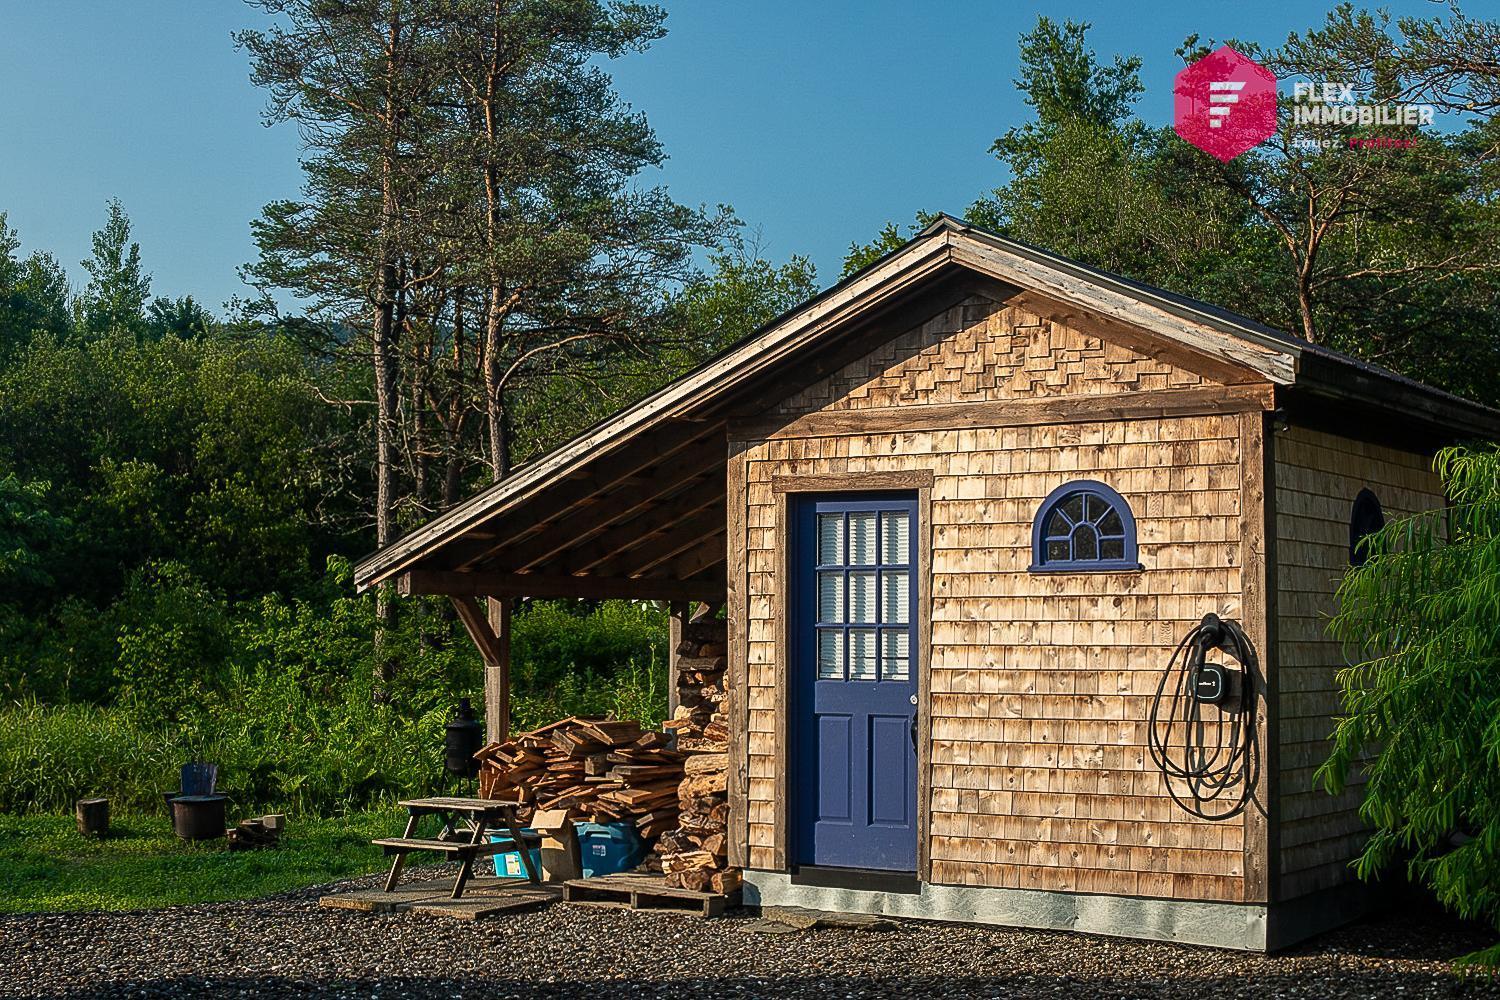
(818, 121)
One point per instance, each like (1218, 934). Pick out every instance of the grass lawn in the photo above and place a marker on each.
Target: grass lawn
(46, 865)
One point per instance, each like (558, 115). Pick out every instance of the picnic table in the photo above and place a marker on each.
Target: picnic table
(464, 825)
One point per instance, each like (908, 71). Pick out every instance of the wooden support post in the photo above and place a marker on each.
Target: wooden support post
(490, 632)
(497, 675)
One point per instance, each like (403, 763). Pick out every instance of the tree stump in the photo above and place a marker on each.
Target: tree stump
(93, 817)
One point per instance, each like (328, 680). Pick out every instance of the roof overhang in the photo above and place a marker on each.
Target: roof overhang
(634, 506)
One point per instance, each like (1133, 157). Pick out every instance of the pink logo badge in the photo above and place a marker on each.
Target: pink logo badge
(1225, 103)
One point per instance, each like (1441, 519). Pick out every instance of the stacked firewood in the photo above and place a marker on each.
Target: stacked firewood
(695, 854)
(601, 770)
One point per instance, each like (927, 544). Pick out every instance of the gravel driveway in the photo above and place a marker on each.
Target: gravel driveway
(288, 946)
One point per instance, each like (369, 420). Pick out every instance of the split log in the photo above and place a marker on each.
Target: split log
(693, 855)
(726, 882)
(604, 770)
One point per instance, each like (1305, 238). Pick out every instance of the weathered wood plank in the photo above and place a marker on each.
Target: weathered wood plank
(1138, 405)
(543, 585)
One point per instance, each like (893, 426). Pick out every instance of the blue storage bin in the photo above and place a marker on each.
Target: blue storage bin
(508, 864)
(607, 848)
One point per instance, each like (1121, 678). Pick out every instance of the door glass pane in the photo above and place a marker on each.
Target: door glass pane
(895, 537)
(862, 598)
(831, 596)
(895, 596)
(862, 538)
(830, 539)
(831, 654)
(894, 655)
(861, 654)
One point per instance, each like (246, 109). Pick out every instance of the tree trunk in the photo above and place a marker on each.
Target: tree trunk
(1305, 302)
(383, 344)
(494, 391)
(499, 302)
(453, 425)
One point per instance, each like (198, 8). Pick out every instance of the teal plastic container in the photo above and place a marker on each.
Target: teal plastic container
(508, 864)
(607, 848)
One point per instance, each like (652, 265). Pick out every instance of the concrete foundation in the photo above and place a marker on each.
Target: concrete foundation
(1243, 927)
(1219, 925)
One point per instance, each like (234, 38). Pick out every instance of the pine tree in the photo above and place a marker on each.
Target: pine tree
(118, 289)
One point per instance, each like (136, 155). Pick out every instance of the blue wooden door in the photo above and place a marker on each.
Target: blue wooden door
(854, 682)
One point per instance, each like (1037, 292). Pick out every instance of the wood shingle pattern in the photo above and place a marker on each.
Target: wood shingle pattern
(1039, 688)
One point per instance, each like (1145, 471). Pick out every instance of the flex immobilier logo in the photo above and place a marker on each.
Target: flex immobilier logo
(1225, 103)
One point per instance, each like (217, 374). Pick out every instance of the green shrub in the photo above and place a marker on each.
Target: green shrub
(281, 694)
(552, 640)
(1421, 717)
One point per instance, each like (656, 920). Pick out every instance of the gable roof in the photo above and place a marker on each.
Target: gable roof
(674, 442)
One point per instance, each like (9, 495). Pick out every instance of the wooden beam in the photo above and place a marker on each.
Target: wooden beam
(489, 511)
(614, 521)
(737, 687)
(1145, 404)
(678, 616)
(478, 627)
(896, 479)
(1256, 499)
(497, 677)
(643, 588)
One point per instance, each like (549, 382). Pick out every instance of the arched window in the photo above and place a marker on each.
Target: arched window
(1364, 520)
(1083, 527)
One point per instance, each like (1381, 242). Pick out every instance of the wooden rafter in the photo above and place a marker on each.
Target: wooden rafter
(584, 558)
(612, 495)
(711, 553)
(661, 548)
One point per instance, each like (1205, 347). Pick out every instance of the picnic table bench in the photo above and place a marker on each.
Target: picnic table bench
(464, 825)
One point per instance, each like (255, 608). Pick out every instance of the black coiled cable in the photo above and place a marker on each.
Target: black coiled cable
(1215, 760)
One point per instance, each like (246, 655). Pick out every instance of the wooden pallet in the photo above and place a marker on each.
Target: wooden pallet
(477, 906)
(485, 897)
(637, 891)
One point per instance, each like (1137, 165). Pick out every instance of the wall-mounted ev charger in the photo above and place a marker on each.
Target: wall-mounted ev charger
(1209, 751)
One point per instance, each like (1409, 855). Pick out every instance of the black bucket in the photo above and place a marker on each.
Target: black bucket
(198, 817)
(462, 739)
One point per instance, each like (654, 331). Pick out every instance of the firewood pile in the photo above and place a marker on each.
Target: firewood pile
(600, 770)
(606, 770)
(694, 855)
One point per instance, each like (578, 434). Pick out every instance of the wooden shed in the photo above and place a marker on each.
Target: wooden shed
(961, 509)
